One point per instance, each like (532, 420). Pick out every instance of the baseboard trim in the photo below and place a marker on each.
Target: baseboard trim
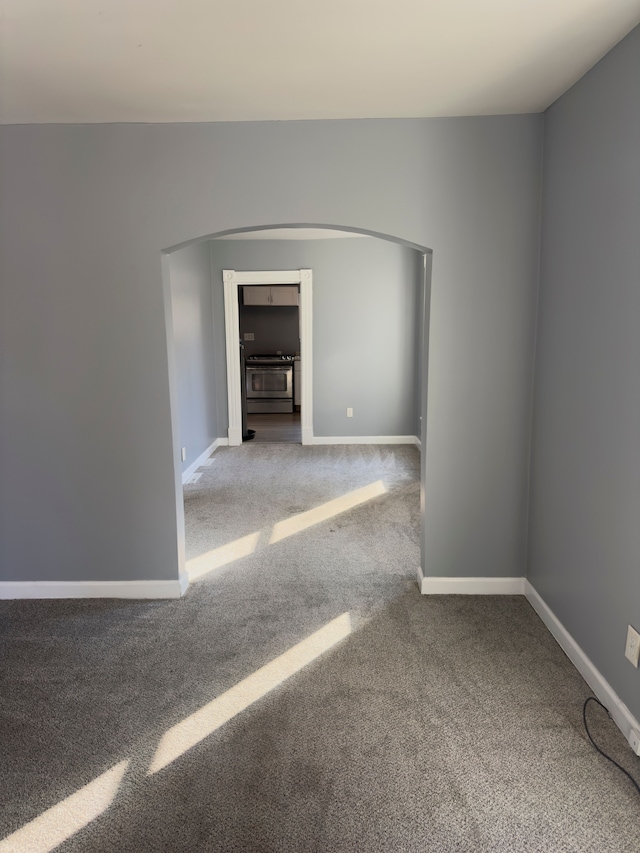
(364, 439)
(417, 442)
(620, 714)
(191, 470)
(470, 586)
(93, 589)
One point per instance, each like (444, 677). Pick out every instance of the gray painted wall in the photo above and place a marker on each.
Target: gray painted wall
(364, 326)
(85, 212)
(584, 554)
(276, 328)
(192, 327)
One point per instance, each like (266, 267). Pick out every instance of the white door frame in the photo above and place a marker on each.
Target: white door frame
(233, 279)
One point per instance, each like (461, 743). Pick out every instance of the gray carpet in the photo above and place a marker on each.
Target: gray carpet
(439, 724)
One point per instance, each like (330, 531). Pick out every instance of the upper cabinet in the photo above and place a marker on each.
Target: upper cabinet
(284, 295)
(275, 295)
(256, 295)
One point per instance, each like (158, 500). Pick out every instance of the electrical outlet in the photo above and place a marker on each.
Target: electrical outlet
(632, 649)
(634, 741)
(183, 454)
(249, 336)
(349, 413)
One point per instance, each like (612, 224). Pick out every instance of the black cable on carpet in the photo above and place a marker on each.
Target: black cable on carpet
(608, 757)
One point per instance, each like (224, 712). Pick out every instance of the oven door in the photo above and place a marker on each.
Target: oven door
(269, 383)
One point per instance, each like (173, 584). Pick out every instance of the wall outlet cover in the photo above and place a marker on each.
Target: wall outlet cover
(249, 336)
(632, 649)
(634, 741)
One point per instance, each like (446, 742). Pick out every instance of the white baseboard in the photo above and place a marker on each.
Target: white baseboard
(364, 439)
(417, 442)
(94, 589)
(307, 435)
(191, 470)
(470, 586)
(620, 714)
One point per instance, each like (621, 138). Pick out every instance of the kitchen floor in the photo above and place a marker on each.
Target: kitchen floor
(276, 427)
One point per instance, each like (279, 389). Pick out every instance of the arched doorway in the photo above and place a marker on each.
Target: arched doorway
(299, 228)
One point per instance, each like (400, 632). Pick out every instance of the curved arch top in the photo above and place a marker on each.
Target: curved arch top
(295, 225)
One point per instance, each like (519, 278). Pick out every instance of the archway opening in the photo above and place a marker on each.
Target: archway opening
(270, 239)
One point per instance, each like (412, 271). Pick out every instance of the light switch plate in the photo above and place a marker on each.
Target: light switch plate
(632, 649)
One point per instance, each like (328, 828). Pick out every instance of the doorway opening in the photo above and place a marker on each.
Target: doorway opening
(270, 363)
(268, 387)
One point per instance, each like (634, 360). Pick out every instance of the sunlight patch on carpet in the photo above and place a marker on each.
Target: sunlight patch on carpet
(45, 832)
(325, 511)
(203, 722)
(217, 558)
(222, 556)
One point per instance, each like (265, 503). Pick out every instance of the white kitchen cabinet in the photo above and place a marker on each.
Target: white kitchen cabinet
(257, 295)
(284, 295)
(277, 295)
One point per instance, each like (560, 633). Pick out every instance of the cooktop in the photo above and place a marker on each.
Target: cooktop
(269, 358)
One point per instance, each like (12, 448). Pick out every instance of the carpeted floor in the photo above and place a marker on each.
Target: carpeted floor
(425, 724)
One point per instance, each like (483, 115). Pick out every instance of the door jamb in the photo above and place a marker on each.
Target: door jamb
(232, 279)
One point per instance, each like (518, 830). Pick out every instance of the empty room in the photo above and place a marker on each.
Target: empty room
(319, 417)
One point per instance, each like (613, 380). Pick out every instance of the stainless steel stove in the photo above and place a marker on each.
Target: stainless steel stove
(269, 383)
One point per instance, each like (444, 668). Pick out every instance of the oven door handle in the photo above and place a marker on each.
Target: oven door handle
(268, 369)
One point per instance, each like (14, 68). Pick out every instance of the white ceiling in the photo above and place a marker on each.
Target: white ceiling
(228, 60)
